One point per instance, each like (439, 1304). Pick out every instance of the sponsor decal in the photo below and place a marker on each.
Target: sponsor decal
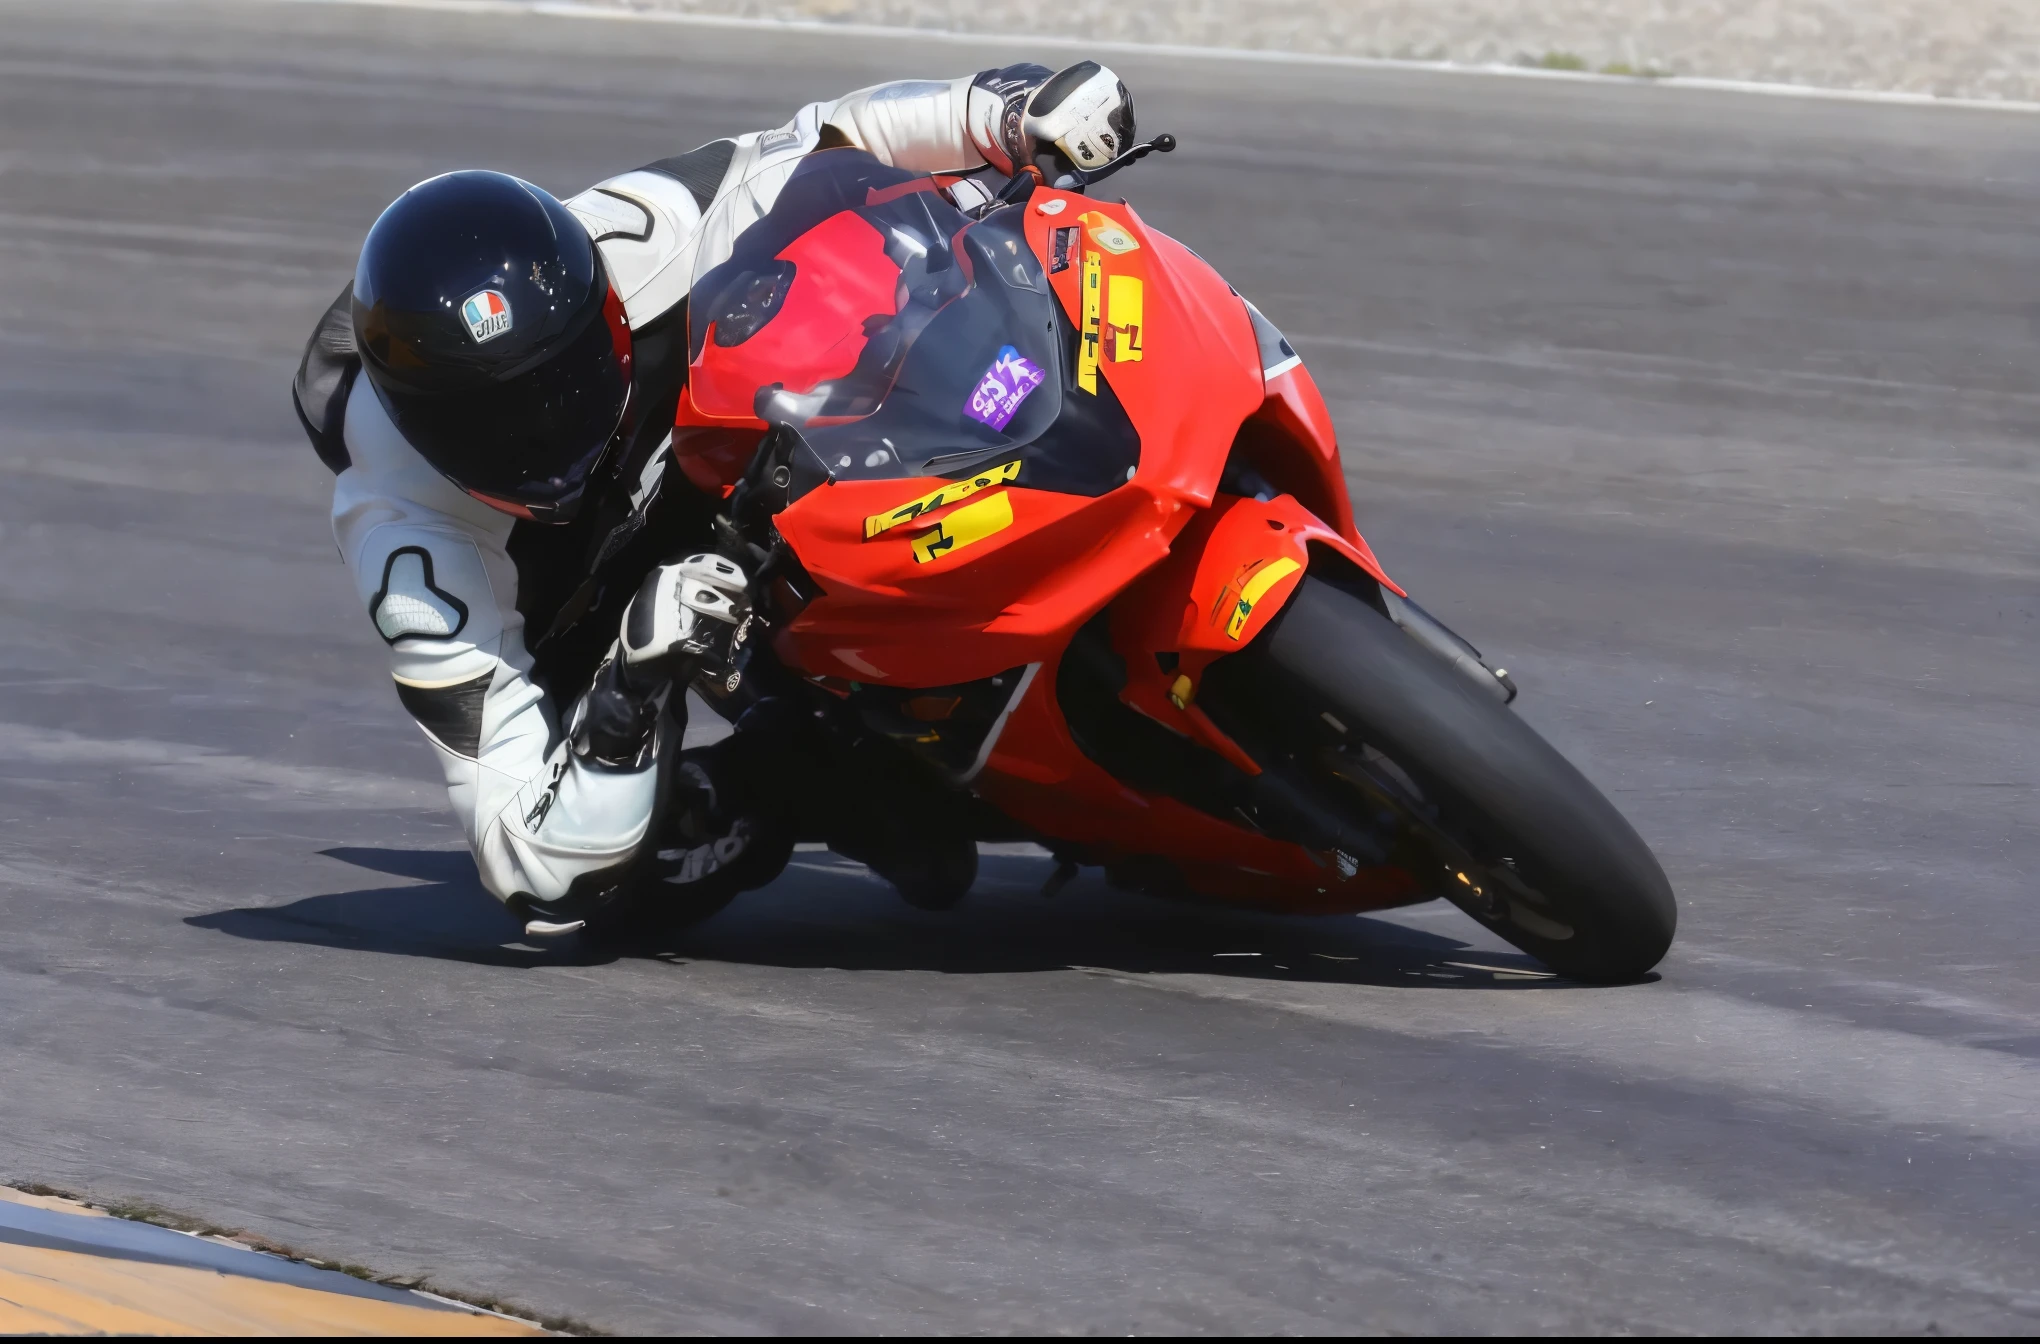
(1052, 207)
(1236, 603)
(1109, 235)
(1005, 385)
(1062, 242)
(966, 527)
(487, 315)
(1123, 302)
(951, 493)
(535, 818)
(1087, 343)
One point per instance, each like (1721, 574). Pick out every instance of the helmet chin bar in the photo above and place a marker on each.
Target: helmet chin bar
(505, 506)
(566, 509)
(561, 512)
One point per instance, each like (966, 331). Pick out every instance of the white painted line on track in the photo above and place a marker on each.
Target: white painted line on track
(896, 32)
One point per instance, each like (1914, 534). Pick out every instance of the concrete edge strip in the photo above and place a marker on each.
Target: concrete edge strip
(45, 1290)
(569, 9)
(126, 1239)
(46, 1223)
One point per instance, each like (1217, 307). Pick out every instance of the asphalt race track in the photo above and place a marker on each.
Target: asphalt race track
(1712, 417)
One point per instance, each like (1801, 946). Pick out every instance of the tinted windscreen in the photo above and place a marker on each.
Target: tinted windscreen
(899, 337)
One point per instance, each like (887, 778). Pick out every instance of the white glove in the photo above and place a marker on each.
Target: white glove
(1084, 111)
(1017, 111)
(683, 614)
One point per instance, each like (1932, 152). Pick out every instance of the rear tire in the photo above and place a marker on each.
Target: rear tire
(1523, 842)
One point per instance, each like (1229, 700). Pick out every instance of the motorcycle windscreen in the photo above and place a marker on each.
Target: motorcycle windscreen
(897, 336)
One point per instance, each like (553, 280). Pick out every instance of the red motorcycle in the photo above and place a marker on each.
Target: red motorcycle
(1038, 500)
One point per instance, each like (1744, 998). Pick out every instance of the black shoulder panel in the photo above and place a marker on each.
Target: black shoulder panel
(324, 378)
(701, 170)
(452, 714)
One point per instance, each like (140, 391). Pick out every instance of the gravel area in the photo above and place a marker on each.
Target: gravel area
(1952, 48)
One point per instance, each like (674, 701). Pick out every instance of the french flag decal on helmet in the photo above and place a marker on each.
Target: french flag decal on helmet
(487, 314)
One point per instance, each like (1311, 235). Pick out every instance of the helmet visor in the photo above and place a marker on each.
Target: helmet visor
(530, 441)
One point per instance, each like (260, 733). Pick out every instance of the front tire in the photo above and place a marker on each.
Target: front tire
(1384, 728)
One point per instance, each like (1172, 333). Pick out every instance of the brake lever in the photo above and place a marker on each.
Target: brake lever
(1081, 179)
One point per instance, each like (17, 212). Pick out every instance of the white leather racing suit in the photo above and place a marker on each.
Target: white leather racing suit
(434, 567)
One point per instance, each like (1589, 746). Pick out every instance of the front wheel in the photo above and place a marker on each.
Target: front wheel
(1397, 739)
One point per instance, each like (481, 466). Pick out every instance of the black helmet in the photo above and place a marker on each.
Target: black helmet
(487, 325)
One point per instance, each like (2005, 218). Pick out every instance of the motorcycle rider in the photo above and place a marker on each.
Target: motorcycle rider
(505, 499)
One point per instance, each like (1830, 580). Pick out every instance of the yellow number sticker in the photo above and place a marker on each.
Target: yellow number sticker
(968, 525)
(1123, 302)
(939, 499)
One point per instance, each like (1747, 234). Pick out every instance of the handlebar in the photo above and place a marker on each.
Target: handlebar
(1081, 179)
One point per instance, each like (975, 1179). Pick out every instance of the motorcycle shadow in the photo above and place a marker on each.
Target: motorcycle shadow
(828, 913)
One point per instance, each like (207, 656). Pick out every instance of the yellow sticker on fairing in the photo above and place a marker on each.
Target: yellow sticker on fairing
(1109, 235)
(1124, 299)
(1087, 342)
(968, 525)
(1266, 577)
(939, 499)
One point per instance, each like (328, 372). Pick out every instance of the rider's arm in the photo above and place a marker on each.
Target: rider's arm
(927, 125)
(660, 225)
(431, 566)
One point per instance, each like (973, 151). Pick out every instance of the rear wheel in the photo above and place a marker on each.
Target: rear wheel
(1395, 737)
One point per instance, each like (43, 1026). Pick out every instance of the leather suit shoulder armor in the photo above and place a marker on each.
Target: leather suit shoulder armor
(644, 221)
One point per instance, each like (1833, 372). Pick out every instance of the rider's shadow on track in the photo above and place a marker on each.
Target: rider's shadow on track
(828, 913)
(441, 911)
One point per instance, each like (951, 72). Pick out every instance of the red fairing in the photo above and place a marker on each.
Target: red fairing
(842, 279)
(942, 580)
(1291, 442)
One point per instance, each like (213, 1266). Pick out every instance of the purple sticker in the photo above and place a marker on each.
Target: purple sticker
(1002, 389)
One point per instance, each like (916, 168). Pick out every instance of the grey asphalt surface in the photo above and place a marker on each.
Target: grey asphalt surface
(1713, 418)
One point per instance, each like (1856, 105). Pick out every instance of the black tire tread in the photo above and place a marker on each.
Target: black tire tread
(1501, 788)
